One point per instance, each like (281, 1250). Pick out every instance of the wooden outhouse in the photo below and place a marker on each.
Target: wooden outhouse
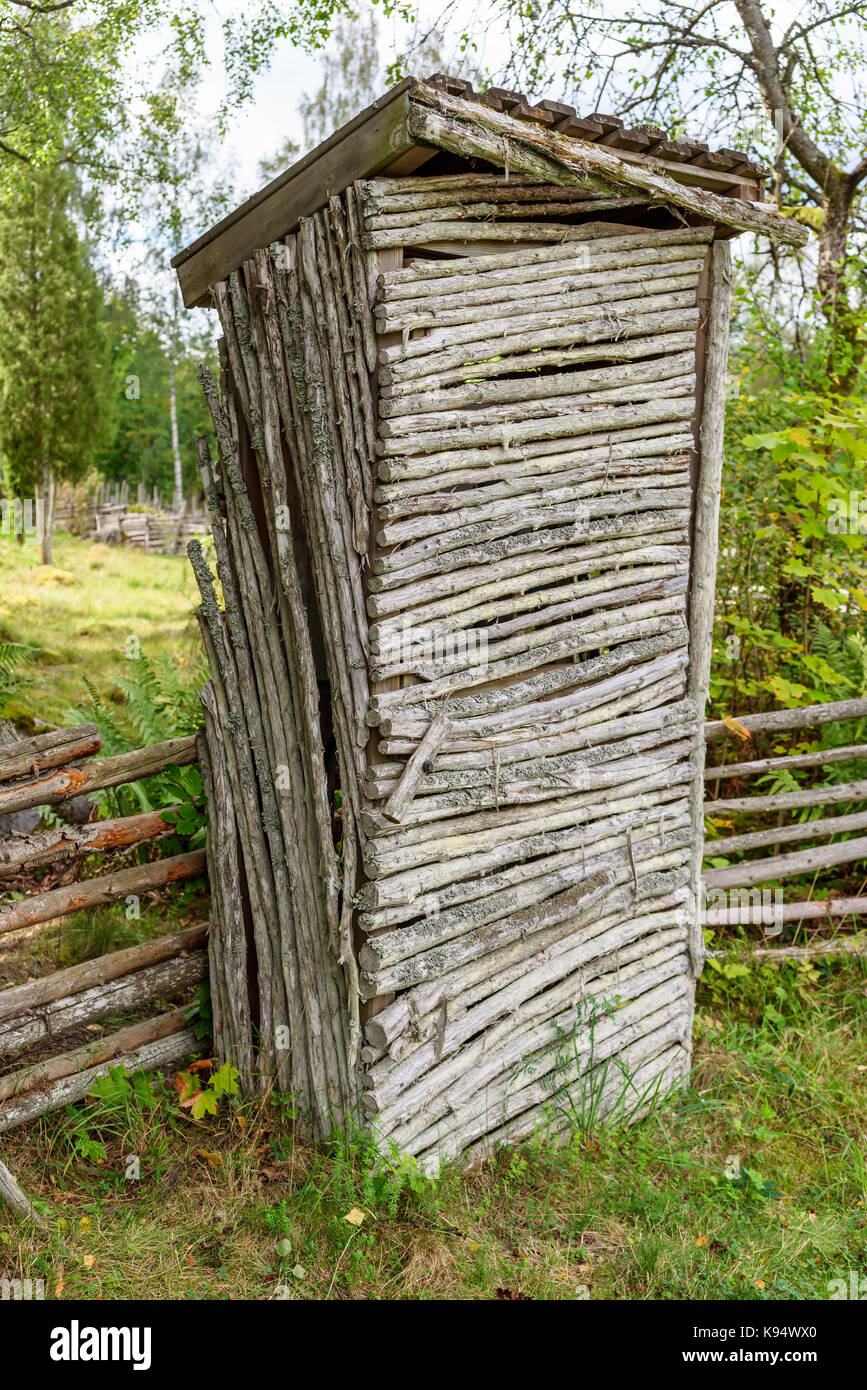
(464, 511)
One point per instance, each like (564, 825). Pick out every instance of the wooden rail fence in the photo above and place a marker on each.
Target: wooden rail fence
(773, 866)
(45, 771)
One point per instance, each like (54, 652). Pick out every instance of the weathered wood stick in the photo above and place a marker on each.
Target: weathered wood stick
(775, 720)
(94, 776)
(508, 615)
(513, 561)
(672, 376)
(163, 1052)
(650, 1066)
(423, 233)
(580, 635)
(60, 842)
(163, 980)
(92, 973)
(787, 801)
(658, 769)
(706, 547)
(531, 362)
(474, 1067)
(407, 477)
(536, 689)
(519, 330)
(549, 986)
(445, 840)
(624, 1036)
(603, 328)
(54, 749)
(565, 735)
(102, 1050)
(630, 1097)
(423, 279)
(420, 763)
(468, 877)
(422, 650)
(553, 296)
(760, 914)
(786, 865)
(596, 746)
(77, 897)
(558, 472)
(823, 758)
(555, 959)
(466, 128)
(582, 266)
(660, 897)
(667, 524)
(840, 946)
(784, 834)
(16, 1199)
(412, 409)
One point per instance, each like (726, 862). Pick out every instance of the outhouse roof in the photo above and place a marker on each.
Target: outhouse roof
(417, 120)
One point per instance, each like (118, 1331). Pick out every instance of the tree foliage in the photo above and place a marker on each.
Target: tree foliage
(790, 88)
(55, 405)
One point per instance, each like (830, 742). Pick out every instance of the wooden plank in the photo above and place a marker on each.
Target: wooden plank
(367, 145)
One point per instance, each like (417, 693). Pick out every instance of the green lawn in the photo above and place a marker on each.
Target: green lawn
(82, 612)
(750, 1185)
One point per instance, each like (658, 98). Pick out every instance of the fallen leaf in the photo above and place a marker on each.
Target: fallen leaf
(88, 1261)
(737, 727)
(700, 1242)
(354, 1216)
(214, 1159)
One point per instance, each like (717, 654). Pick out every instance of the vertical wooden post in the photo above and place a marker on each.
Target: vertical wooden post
(704, 558)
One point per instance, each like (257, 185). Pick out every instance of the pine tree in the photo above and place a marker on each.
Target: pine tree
(55, 399)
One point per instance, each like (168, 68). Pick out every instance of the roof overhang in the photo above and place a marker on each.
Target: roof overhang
(398, 131)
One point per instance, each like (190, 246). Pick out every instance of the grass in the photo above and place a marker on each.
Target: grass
(81, 613)
(749, 1185)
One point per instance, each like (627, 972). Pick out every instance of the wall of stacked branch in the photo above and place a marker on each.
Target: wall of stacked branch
(469, 430)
